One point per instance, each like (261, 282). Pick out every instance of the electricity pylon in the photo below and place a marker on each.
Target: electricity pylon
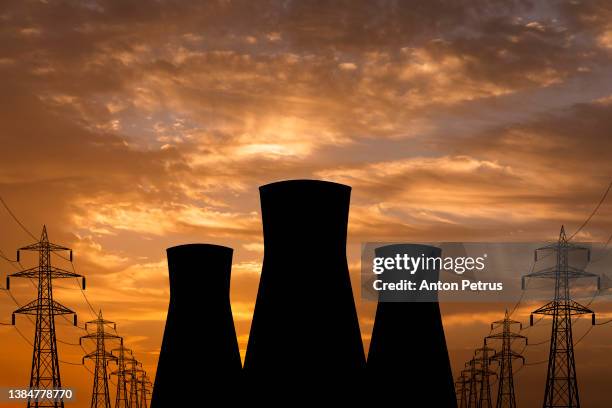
(505, 389)
(145, 391)
(561, 380)
(484, 400)
(133, 373)
(121, 354)
(461, 389)
(474, 377)
(100, 397)
(45, 373)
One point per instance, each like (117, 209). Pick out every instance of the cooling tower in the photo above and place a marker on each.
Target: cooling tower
(199, 351)
(305, 321)
(408, 348)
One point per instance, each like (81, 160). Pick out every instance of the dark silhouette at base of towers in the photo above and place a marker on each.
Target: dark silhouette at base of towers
(408, 346)
(305, 321)
(199, 328)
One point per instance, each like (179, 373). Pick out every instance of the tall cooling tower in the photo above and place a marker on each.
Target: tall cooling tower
(305, 319)
(199, 338)
(408, 349)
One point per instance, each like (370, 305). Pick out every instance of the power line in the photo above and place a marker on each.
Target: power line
(603, 198)
(27, 231)
(16, 219)
(13, 262)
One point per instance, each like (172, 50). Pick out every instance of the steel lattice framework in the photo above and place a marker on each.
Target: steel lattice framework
(123, 356)
(100, 396)
(484, 356)
(145, 390)
(133, 372)
(474, 372)
(505, 389)
(561, 380)
(45, 373)
(462, 389)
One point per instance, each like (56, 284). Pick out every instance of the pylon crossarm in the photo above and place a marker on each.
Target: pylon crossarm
(547, 309)
(96, 354)
(26, 273)
(32, 308)
(549, 273)
(573, 308)
(574, 273)
(578, 309)
(54, 273)
(501, 336)
(499, 323)
(94, 336)
(58, 273)
(552, 273)
(101, 321)
(565, 246)
(59, 309)
(42, 245)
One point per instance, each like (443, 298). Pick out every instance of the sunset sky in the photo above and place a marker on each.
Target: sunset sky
(130, 126)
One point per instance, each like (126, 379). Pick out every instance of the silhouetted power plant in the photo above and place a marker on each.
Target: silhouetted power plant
(305, 325)
(305, 318)
(199, 292)
(396, 349)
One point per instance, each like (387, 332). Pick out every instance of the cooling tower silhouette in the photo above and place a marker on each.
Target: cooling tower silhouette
(408, 347)
(305, 319)
(199, 329)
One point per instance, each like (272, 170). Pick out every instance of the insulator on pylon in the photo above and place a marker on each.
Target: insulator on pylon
(75, 319)
(531, 320)
(8, 283)
(83, 283)
(13, 319)
(593, 319)
(71, 255)
(523, 283)
(17, 255)
(599, 283)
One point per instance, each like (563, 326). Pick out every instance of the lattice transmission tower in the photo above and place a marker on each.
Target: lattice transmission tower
(474, 373)
(483, 356)
(134, 371)
(123, 356)
(100, 397)
(462, 390)
(561, 380)
(45, 372)
(505, 390)
(145, 390)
